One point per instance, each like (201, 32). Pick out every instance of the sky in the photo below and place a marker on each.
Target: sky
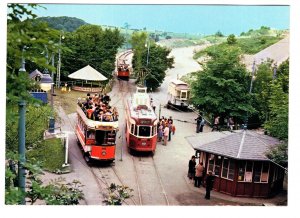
(193, 19)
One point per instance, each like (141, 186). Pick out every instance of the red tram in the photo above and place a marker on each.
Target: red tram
(97, 138)
(141, 123)
(123, 70)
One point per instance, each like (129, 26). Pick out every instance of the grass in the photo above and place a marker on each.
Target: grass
(250, 46)
(50, 153)
(67, 100)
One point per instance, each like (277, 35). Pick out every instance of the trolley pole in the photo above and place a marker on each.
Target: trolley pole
(159, 111)
(21, 149)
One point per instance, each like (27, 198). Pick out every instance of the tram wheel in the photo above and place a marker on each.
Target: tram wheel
(87, 158)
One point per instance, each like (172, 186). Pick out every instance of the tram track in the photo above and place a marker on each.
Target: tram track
(147, 178)
(155, 195)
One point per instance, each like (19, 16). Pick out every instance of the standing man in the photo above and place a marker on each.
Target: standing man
(216, 123)
(202, 124)
(192, 164)
(170, 125)
(199, 174)
(198, 120)
(230, 123)
(209, 184)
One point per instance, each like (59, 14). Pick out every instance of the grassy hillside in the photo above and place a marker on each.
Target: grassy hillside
(64, 23)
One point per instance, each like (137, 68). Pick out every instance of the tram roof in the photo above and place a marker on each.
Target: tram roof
(93, 124)
(178, 82)
(140, 108)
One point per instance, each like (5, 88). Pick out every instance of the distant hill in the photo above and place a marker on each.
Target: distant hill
(64, 23)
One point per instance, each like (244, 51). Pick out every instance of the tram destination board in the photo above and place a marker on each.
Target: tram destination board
(145, 122)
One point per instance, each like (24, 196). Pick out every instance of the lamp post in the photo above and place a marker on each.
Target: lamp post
(46, 84)
(21, 138)
(148, 52)
(147, 61)
(61, 36)
(250, 91)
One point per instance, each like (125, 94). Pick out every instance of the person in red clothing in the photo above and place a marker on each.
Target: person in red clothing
(89, 112)
(173, 129)
(199, 175)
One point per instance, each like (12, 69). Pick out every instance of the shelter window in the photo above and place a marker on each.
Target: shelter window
(218, 161)
(144, 131)
(211, 163)
(231, 169)
(245, 171)
(214, 164)
(228, 169)
(275, 174)
(261, 172)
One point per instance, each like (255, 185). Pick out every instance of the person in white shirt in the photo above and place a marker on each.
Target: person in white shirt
(166, 134)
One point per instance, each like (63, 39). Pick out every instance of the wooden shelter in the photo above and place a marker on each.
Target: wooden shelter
(87, 77)
(238, 160)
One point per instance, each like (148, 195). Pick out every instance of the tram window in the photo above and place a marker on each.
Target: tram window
(135, 130)
(90, 134)
(154, 130)
(100, 137)
(144, 131)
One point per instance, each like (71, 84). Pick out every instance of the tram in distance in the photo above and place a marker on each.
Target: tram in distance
(141, 123)
(123, 70)
(97, 138)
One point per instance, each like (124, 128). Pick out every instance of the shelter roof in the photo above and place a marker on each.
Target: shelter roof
(35, 73)
(87, 73)
(245, 145)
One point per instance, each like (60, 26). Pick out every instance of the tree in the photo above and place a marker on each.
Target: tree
(64, 23)
(219, 34)
(222, 87)
(261, 89)
(277, 124)
(91, 45)
(231, 39)
(153, 73)
(138, 41)
(25, 38)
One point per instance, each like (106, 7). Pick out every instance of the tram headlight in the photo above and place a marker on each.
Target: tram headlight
(103, 153)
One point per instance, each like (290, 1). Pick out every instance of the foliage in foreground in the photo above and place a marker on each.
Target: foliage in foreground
(57, 192)
(117, 194)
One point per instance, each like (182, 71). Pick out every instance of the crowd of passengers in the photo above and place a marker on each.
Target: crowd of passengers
(165, 128)
(96, 107)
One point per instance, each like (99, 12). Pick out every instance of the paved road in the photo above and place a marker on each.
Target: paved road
(278, 52)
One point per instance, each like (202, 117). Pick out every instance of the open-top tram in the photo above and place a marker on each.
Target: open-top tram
(97, 138)
(141, 123)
